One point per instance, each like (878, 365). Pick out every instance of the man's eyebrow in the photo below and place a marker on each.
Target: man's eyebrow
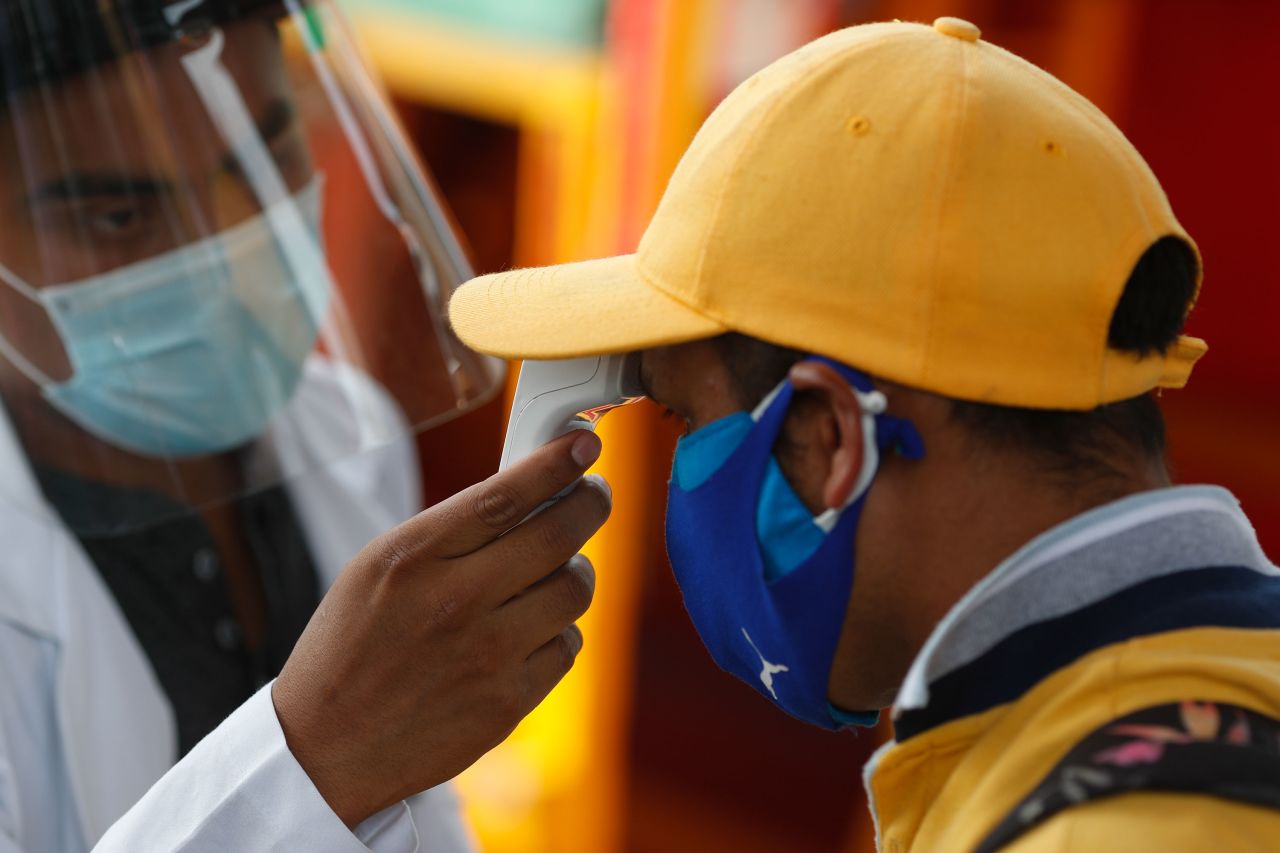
(80, 185)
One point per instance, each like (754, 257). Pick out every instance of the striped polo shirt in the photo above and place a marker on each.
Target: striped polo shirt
(1165, 560)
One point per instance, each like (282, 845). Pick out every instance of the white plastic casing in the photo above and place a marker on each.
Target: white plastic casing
(556, 397)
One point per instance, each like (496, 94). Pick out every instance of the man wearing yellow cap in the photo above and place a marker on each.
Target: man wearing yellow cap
(912, 296)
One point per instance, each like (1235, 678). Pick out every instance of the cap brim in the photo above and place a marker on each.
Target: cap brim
(572, 310)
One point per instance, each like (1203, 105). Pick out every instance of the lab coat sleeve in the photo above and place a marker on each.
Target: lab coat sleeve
(8, 804)
(241, 789)
(437, 816)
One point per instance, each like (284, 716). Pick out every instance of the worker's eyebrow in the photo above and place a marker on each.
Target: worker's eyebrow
(277, 119)
(79, 185)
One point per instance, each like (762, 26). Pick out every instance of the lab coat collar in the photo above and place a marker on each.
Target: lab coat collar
(49, 588)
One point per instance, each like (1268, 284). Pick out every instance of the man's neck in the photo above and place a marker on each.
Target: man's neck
(925, 558)
(53, 441)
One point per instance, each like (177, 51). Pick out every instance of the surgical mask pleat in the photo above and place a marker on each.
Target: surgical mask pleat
(192, 351)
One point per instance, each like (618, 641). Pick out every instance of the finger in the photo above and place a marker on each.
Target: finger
(544, 610)
(538, 547)
(545, 668)
(473, 518)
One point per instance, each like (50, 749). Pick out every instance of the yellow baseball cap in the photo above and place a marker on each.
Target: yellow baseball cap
(909, 200)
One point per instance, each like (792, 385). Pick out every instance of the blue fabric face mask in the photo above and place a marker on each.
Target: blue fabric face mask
(767, 584)
(194, 351)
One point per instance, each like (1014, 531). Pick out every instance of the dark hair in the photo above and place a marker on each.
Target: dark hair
(43, 41)
(755, 367)
(1148, 319)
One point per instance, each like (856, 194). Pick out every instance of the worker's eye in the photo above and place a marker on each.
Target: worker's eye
(107, 223)
(118, 220)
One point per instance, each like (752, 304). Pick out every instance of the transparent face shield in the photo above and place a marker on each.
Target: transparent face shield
(220, 264)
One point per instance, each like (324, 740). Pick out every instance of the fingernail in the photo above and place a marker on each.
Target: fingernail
(601, 483)
(586, 448)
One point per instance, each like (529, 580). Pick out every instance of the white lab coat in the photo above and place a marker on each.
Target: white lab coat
(87, 736)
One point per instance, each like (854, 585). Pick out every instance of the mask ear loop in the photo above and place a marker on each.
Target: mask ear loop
(758, 412)
(872, 404)
(7, 349)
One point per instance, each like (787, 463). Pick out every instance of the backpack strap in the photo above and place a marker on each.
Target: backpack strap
(1190, 747)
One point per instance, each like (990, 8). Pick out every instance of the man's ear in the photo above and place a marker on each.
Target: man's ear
(841, 433)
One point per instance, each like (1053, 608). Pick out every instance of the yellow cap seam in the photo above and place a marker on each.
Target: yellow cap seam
(827, 65)
(946, 183)
(652, 283)
(1105, 129)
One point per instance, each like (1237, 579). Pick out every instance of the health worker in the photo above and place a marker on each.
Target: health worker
(914, 298)
(208, 415)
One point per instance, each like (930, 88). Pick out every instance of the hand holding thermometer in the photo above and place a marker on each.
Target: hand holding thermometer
(557, 397)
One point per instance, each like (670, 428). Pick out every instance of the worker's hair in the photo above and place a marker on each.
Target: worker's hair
(45, 41)
(1147, 320)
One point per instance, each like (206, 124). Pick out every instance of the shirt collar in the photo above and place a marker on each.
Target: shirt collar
(1081, 562)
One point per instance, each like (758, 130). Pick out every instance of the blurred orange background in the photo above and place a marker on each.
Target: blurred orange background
(551, 127)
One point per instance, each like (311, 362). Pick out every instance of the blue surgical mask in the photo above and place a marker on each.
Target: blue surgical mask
(194, 351)
(765, 582)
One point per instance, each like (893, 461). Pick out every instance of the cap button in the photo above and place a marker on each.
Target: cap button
(957, 28)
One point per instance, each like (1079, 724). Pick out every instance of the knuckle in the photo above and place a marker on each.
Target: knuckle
(601, 501)
(564, 651)
(497, 506)
(583, 565)
(483, 660)
(448, 603)
(578, 588)
(509, 701)
(556, 537)
(444, 608)
(568, 644)
(492, 651)
(584, 511)
(394, 556)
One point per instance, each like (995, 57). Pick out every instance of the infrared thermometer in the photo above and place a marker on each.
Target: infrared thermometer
(557, 397)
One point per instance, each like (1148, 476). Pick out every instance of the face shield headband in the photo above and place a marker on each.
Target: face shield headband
(43, 41)
(767, 584)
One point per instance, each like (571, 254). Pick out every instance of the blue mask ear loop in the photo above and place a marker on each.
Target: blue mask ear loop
(872, 404)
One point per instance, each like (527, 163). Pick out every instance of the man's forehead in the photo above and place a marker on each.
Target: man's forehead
(681, 375)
